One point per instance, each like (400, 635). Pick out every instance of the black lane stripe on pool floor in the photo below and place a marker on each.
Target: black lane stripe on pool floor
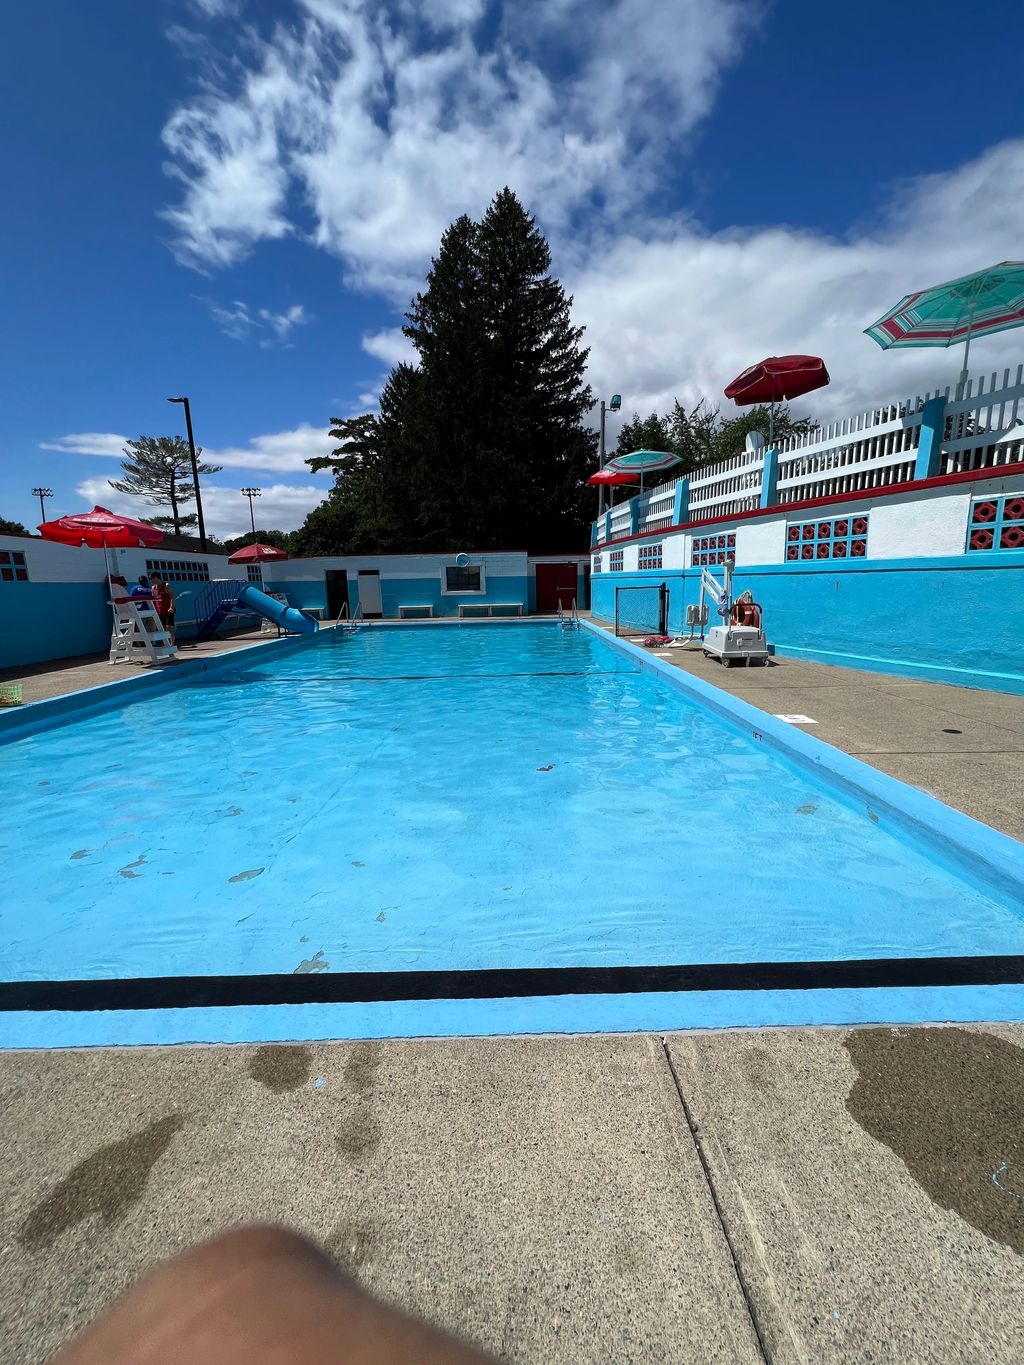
(334, 988)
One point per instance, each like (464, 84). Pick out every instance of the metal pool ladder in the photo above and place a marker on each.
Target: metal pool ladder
(346, 625)
(568, 620)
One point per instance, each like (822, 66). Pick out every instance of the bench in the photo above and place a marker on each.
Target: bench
(490, 608)
(415, 612)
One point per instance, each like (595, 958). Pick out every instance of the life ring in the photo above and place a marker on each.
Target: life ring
(462, 560)
(746, 614)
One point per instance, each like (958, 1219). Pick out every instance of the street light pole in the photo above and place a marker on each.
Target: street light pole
(613, 406)
(195, 470)
(600, 465)
(251, 493)
(42, 494)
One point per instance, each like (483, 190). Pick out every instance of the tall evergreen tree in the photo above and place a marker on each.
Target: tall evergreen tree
(159, 469)
(480, 445)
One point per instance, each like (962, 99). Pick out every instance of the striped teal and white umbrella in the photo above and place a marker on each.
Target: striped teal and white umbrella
(642, 462)
(975, 305)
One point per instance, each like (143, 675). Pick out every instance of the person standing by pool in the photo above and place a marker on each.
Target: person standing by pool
(163, 600)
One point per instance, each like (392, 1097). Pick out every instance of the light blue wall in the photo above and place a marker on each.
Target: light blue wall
(411, 592)
(953, 619)
(40, 621)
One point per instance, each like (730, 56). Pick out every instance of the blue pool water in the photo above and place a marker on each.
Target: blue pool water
(453, 799)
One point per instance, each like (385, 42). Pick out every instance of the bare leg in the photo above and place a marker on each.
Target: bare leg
(257, 1296)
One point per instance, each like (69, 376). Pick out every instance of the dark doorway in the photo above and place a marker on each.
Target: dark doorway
(556, 583)
(337, 591)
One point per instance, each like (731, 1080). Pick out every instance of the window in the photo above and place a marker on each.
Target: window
(255, 573)
(12, 567)
(597, 564)
(463, 578)
(713, 549)
(997, 524)
(650, 556)
(180, 570)
(615, 561)
(837, 538)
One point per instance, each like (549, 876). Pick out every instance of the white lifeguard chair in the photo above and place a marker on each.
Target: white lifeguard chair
(138, 635)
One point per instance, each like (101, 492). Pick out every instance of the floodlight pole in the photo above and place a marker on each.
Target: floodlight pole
(195, 470)
(42, 494)
(251, 493)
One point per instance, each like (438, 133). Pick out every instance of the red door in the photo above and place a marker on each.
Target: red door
(556, 583)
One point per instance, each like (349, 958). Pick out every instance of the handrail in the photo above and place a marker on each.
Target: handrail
(210, 597)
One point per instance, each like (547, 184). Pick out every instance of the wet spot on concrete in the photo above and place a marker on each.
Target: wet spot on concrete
(949, 1102)
(80, 853)
(757, 1068)
(106, 1184)
(315, 963)
(281, 1068)
(248, 874)
(359, 1133)
(361, 1067)
(352, 1243)
(809, 809)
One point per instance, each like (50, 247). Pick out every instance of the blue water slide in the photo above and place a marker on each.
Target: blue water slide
(288, 618)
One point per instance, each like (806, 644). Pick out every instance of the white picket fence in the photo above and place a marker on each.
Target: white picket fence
(984, 428)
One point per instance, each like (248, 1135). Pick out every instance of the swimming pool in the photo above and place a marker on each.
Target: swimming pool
(464, 829)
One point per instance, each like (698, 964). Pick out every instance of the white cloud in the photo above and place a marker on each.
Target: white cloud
(391, 346)
(234, 320)
(281, 324)
(281, 507)
(88, 443)
(280, 451)
(370, 126)
(680, 312)
(218, 9)
(238, 321)
(391, 119)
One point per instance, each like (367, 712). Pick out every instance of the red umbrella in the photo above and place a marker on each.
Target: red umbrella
(776, 378)
(254, 554)
(100, 529)
(610, 476)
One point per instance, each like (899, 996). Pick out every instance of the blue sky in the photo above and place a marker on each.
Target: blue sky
(235, 199)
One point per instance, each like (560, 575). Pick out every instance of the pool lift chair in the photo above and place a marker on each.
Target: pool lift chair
(730, 643)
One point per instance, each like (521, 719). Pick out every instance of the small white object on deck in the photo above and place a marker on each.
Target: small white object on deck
(795, 719)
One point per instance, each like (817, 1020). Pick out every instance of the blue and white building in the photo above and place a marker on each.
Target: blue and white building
(891, 541)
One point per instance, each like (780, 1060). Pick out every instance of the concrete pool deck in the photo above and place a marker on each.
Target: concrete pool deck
(786, 1195)
(782, 1195)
